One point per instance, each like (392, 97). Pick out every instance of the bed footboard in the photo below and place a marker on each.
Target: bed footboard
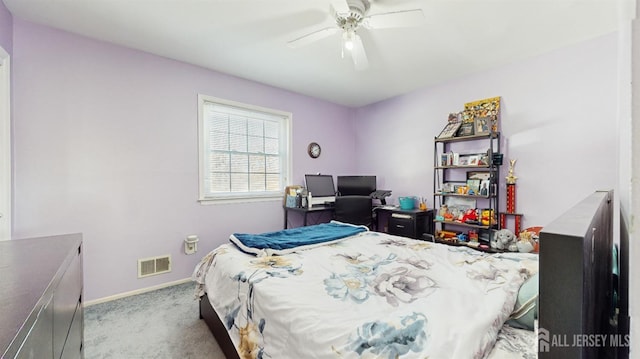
(217, 328)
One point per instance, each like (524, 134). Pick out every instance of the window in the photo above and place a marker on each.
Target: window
(244, 151)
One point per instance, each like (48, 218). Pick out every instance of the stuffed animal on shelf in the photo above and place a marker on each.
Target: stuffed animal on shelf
(469, 216)
(504, 239)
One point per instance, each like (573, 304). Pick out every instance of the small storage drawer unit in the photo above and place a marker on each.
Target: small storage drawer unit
(410, 223)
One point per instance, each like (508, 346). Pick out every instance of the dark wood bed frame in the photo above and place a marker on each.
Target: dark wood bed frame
(217, 328)
(561, 279)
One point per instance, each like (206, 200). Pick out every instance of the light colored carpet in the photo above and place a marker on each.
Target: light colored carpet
(161, 324)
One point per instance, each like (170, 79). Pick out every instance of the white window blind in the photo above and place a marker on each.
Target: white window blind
(244, 150)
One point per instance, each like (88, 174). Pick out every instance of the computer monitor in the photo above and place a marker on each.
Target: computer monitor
(356, 185)
(321, 187)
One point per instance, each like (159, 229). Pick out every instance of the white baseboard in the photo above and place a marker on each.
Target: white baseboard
(135, 292)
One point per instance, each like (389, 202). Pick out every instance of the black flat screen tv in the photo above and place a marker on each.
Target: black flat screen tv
(356, 185)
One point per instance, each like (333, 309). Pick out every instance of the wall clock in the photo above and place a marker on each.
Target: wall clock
(314, 150)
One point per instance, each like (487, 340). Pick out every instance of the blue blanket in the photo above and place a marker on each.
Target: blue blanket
(294, 239)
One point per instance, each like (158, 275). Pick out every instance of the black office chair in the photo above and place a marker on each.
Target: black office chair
(354, 210)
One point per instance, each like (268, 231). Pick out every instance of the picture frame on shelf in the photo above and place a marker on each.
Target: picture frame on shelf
(485, 186)
(444, 159)
(448, 159)
(479, 175)
(469, 160)
(451, 187)
(466, 129)
(483, 159)
(450, 129)
(482, 125)
(489, 107)
(473, 185)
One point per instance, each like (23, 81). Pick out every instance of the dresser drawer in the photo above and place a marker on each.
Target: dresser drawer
(38, 343)
(65, 303)
(73, 346)
(401, 225)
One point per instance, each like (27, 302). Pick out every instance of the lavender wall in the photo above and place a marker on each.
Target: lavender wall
(559, 116)
(6, 29)
(106, 144)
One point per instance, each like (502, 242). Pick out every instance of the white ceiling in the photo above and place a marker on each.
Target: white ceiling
(248, 38)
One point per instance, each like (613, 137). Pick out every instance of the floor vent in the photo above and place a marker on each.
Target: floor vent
(153, 266)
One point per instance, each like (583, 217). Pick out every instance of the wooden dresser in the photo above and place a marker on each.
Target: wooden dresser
(41, 297)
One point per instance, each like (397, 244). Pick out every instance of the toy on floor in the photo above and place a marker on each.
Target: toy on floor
(504, 239)
(528, 240)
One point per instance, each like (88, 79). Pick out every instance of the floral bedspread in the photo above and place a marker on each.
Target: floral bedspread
(514, 343)
(369, 296)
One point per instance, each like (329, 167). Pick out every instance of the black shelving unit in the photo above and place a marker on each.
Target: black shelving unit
(447, 171)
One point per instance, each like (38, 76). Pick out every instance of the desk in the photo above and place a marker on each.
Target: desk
(411, 223)
(305, 212)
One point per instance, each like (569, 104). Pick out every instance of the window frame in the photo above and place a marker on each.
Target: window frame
(233, 197)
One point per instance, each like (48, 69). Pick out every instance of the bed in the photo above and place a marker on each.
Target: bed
(368, 295)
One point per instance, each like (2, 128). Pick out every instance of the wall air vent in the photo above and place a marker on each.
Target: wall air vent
(153, 266)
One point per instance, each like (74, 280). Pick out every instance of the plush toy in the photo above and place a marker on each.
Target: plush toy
(470, 216)
(504, 239)
(526, 242)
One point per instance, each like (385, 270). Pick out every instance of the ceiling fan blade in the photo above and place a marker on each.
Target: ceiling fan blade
(405, 18)
(358, 54)
(339, 7)
(313, 36)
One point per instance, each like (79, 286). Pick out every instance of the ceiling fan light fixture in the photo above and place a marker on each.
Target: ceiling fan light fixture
(352, 15)
(348, 37)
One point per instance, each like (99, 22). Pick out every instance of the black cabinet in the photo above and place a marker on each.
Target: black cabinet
(410, 223)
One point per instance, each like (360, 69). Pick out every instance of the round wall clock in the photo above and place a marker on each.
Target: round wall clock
(314, 150)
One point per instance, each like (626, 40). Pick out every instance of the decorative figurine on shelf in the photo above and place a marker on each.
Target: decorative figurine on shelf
(442, 212)
(504, 239)
(448, 216)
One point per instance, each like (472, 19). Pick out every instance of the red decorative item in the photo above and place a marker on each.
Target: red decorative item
(511, 198)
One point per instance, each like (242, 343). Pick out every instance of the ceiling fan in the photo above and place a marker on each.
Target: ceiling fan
(350, 17)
